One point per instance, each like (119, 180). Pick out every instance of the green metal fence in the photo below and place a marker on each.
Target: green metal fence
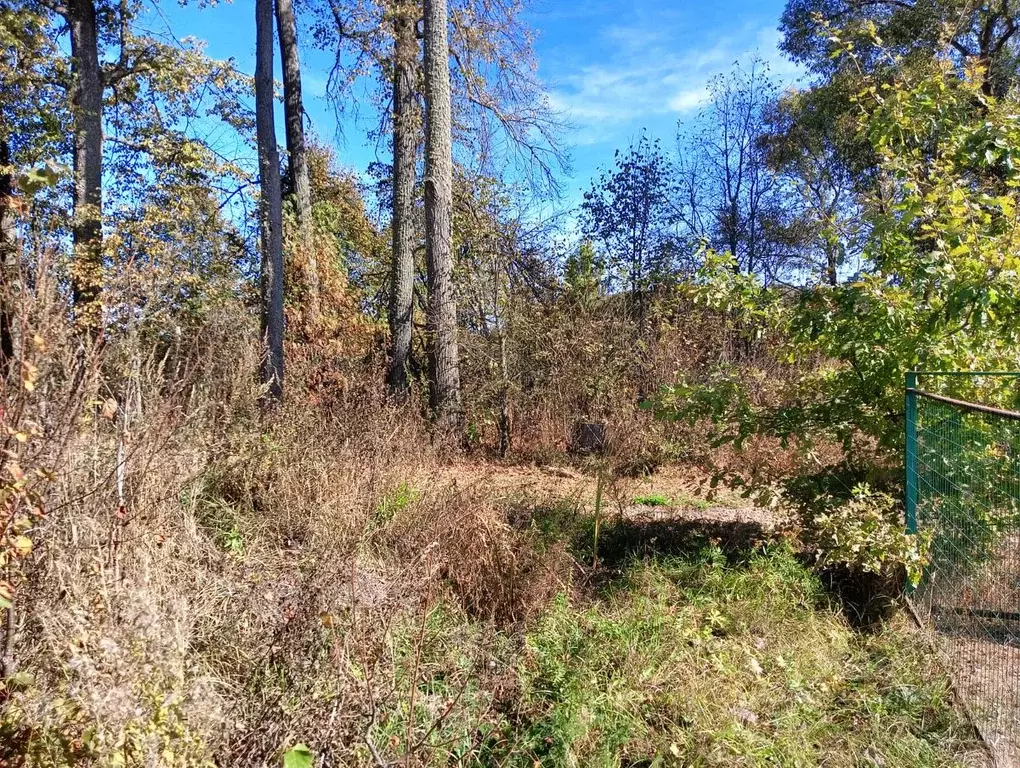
(963, 499)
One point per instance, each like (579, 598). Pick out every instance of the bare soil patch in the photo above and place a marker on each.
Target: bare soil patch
(685, 489)
(985, 673)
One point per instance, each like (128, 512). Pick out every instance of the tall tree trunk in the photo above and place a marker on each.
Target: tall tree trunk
(9, 262)
(271, 204)
(87, 98)
(503, 419)
(734, 236)
(405, 127)
(297, 151)
(441, 322)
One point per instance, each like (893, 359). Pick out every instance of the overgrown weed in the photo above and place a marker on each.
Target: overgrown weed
(701, 663)
(216, 586)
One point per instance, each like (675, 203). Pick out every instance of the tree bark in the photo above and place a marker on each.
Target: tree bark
(9, 262)
(405, 144)
(441, 320)
(503, 420)
(87, 99)
(270, 204)
(297, 151)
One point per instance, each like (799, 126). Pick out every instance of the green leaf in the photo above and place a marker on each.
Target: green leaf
(298, 756)
(20, 681)
(45, 175)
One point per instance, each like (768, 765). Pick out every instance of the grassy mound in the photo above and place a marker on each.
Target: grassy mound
(685, 661)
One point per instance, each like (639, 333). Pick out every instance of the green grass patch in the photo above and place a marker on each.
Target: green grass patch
(222, 520)
(661, 500)
(700, 663)
(653, 500)
(681, 661)
(394, 501)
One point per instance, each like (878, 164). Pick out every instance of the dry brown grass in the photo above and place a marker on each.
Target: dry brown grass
(213, 583)
(216, 583)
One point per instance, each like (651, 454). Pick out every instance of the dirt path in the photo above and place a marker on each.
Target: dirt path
(666, 494)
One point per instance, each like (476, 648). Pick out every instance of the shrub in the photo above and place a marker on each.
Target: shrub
(864, 532)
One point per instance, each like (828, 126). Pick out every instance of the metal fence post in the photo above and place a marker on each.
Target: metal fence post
(910, 462)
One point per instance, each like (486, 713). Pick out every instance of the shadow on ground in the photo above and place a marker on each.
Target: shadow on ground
(632, 538)
(661, 535)
(866, 599)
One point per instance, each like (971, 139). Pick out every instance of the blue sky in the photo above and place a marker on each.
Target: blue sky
(612, 68)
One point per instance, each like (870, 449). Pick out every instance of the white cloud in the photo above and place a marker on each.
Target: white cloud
(314, 84)
(686, 100)
(654, 68)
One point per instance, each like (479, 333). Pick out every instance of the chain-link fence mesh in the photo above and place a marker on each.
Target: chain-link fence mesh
(963, 499)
